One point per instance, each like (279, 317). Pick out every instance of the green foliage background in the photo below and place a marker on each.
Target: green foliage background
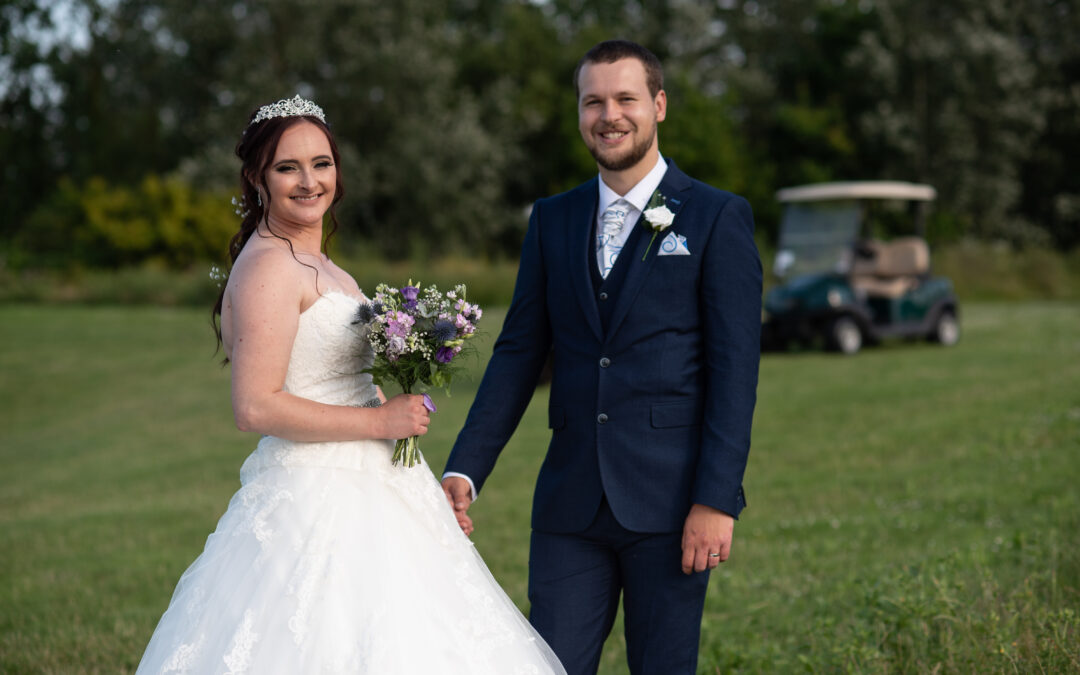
(117, 116)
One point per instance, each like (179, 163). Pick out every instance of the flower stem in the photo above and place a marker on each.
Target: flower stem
(649, 246)
(406, 451)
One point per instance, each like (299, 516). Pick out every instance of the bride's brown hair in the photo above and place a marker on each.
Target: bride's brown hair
(256, 151)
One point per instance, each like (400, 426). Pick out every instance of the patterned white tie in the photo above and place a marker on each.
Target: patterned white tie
(608, 240)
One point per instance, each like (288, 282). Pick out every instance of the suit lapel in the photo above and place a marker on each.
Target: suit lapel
(676, 187)
(578, 254)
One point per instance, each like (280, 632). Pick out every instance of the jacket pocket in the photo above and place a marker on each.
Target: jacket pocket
(677, 414)
(556, 417)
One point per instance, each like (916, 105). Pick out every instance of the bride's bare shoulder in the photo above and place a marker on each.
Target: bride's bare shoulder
(266, 270)
(264, 256)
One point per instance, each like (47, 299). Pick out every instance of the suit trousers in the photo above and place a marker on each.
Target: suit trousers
(575, 581)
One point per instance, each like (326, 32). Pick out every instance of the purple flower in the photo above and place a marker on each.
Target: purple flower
(410, 293)
(464, 325)
(398, 324)
(394, 348)
(444, 354)
(472, 312)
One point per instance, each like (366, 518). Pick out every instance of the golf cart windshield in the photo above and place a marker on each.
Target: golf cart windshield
(817, 237)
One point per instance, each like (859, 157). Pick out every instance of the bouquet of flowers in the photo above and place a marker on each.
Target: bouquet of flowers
(416, 334)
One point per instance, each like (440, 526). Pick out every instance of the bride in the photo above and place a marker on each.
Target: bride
(329, 559)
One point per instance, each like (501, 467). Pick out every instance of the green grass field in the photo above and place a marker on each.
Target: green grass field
(912, 509)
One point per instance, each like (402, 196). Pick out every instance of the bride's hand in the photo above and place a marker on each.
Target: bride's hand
(405, 415)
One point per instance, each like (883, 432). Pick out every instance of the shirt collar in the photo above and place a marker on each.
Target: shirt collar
(639, 195)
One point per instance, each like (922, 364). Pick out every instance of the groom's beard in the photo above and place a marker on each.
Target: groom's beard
(636, 153)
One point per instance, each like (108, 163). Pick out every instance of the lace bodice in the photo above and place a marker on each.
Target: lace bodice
(329, 352)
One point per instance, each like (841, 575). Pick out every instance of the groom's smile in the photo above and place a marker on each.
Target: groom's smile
(613, 138)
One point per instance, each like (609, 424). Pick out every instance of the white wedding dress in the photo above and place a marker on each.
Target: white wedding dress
(331, 560)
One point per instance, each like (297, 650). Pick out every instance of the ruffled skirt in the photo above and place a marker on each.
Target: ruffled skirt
(331, 560)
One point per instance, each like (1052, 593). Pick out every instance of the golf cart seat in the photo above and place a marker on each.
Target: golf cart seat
(894, 267)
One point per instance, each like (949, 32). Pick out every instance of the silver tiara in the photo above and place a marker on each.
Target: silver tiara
(288, 107)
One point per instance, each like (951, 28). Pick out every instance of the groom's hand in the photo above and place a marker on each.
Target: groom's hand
(459, 494)
(707, 531)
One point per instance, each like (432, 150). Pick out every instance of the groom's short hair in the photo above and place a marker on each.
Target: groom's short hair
(611, 51)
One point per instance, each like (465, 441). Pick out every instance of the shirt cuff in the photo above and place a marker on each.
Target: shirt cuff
(472, 485)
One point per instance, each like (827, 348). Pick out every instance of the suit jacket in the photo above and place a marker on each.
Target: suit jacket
(650, 407)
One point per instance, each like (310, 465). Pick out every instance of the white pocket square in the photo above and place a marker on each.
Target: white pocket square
(674, 244)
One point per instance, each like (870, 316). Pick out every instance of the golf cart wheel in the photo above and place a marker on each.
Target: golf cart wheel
(946, 329)
(843, 335)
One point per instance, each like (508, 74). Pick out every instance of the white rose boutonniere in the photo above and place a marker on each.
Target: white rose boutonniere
(659, 217)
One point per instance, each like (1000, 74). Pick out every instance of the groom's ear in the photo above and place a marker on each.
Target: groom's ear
(660, 101)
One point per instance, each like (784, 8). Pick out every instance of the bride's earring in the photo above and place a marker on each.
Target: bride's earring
(258, 198)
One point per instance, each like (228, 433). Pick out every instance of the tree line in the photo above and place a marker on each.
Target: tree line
(118, 117)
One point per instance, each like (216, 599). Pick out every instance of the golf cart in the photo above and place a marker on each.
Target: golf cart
(840, 286)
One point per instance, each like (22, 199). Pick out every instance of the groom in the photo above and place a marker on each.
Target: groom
(654, 333)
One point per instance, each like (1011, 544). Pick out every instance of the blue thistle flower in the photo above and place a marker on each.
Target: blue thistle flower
(443, 331)
(365, 313)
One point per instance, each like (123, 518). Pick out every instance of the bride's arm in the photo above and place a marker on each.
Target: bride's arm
(266, 293)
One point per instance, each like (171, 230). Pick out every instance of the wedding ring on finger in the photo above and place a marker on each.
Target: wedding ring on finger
(714, 555)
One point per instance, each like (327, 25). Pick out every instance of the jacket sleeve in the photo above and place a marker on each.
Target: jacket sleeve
(731, 310)
(510, 378)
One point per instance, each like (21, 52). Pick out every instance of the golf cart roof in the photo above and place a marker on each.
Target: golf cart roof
(869, 189)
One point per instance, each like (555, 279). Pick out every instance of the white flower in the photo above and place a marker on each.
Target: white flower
(395, 345)
(660, 217)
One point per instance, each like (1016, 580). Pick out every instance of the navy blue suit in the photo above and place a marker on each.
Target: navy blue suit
(653, 385)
